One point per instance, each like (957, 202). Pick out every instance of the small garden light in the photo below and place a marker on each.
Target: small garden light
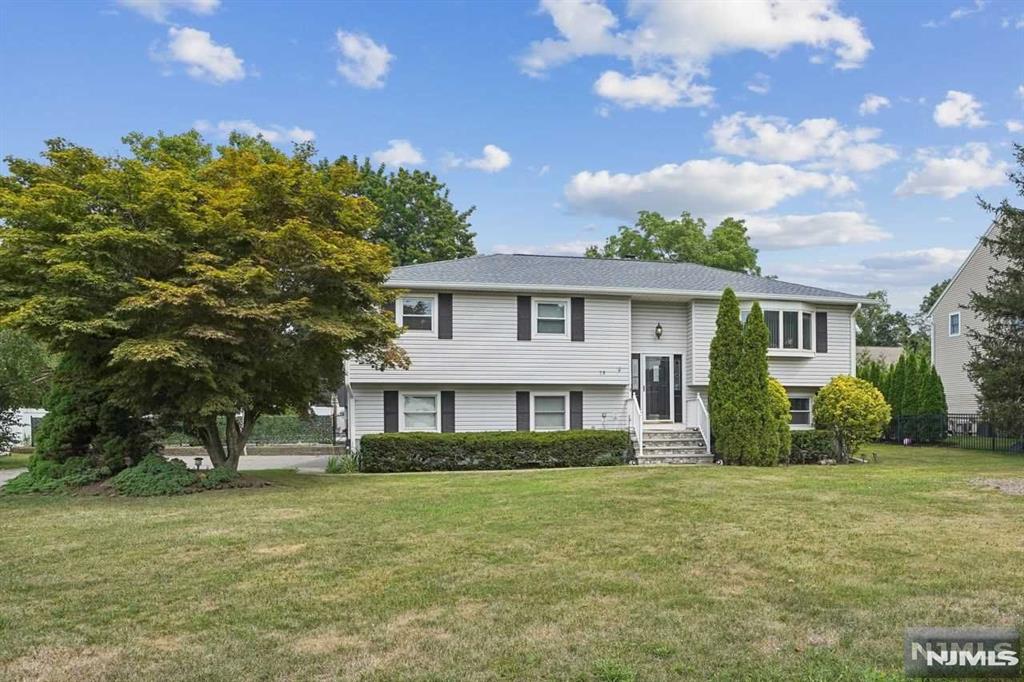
(658, 330)
(199, 463)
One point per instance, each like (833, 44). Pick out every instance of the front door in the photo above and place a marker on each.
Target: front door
(657, 384)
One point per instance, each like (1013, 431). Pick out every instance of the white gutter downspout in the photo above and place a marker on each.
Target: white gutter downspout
(853, 341)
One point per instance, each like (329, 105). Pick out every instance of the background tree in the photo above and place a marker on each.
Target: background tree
(25, 370)
(854, 412)
(997, 353)
(210, 284)
(759, 444)
(880, 325)
(416, 218)
(726, 356)
(683, 240)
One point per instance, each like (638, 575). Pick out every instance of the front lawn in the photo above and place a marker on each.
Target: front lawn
(14, 461)
(807, 572)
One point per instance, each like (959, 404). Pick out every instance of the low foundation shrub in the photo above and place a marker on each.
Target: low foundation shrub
(810, 447)
(394, 452)
(155, 475)
(49, 476)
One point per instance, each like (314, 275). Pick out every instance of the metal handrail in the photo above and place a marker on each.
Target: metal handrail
(704, 424)
(636, 423)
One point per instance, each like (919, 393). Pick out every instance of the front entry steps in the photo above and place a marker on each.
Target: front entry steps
(671, 443)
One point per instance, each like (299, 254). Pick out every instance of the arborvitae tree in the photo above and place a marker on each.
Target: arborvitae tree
(723, 387)
(997, 352)
(897, 386)
(760, 443)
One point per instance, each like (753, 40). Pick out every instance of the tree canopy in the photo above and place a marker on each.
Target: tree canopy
(415, 217)
(25, 370)
(684, 240)
(209, 283)
(879, 324)
(997, 351)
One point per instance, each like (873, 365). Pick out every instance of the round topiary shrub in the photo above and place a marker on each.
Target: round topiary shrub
(778, 400)
(853, 411)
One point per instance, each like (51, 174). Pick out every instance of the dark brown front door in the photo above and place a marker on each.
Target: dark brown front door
(656, 387)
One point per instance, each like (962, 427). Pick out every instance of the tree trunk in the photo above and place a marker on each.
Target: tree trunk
(225, 451)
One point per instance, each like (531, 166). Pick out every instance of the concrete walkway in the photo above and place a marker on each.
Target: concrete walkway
(8, 474)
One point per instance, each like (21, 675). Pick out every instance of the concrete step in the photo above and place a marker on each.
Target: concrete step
(674, 450)
(683, 440)
(649, 460)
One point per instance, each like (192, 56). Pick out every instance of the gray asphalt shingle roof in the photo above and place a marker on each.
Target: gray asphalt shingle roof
(565, 272)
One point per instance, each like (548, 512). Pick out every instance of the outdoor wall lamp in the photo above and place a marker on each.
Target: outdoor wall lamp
(658, 330)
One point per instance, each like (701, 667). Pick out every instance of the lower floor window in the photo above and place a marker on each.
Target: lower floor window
(800, 411)
(419, 412)
(549, 413)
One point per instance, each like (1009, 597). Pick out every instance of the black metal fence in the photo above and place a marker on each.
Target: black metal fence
(953, 430)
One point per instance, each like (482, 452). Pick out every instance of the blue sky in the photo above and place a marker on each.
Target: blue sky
(853, 137)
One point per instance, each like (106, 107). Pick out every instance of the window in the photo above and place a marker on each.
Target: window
(771, 318)
(420, 412)
(954, 324)
(790, 329)
(549, 317)
(808, 325)
(416, 312)
(800, 411)
(549, 412)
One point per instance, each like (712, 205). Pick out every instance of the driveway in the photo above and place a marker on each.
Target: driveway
(8, 474)
(304, 464)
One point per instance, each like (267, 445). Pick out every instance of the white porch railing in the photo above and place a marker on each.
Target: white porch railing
(636, 423)
(703, 420)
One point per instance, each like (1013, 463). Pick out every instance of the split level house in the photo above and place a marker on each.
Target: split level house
(542, 343)
(952, 320)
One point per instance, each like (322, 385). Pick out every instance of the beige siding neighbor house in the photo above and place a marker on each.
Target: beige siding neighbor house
(952, 319)
(523, 342)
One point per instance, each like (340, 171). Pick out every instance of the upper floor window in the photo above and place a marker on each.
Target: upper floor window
(549, 316)
(954, 324)
(789, 329)
(416, 312)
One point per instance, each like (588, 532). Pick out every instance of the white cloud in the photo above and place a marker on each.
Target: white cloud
(570, 248)
(872, 104)
(363, 62)
(1015, 126)
(959, 109)
(906, 275)
(966, 168)
(272, 133)
(493, 160)
(1020, 91)
(398, 153)
(159, 10)
(712, 187)
(819, 229)
(674, 42)
(821, 140)
(760, 84)
(203, 58)
(961, 12)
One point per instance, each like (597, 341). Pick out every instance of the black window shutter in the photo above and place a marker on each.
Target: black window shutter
(578, 318)
(576, 410)
(444, 316)
(390, 411)
(525, 317)
(522, 410)
(447, 411)
(821, 332)
(677, 378)
(389, 308)
(634, 376)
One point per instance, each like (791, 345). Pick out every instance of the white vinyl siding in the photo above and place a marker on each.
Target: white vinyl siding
(484, 347)
(950, 353)
(674, 319)
(815, 369)
(488, 408)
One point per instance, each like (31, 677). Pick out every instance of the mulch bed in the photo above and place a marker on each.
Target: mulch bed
(105, 489)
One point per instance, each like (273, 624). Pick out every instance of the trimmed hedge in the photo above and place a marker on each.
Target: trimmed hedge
(810, 447)
(394, 452)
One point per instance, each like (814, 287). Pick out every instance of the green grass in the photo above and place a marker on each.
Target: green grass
(615, 573)
(14, 461)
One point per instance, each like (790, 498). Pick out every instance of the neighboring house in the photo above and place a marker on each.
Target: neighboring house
(952, 319)
(887, 355)
(523, 342)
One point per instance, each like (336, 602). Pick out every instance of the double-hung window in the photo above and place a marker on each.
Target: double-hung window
(416, 312)
(788, 328)
(549, 316)
(550, 412)
(420, 412)
(800, 411)
(954, 324)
